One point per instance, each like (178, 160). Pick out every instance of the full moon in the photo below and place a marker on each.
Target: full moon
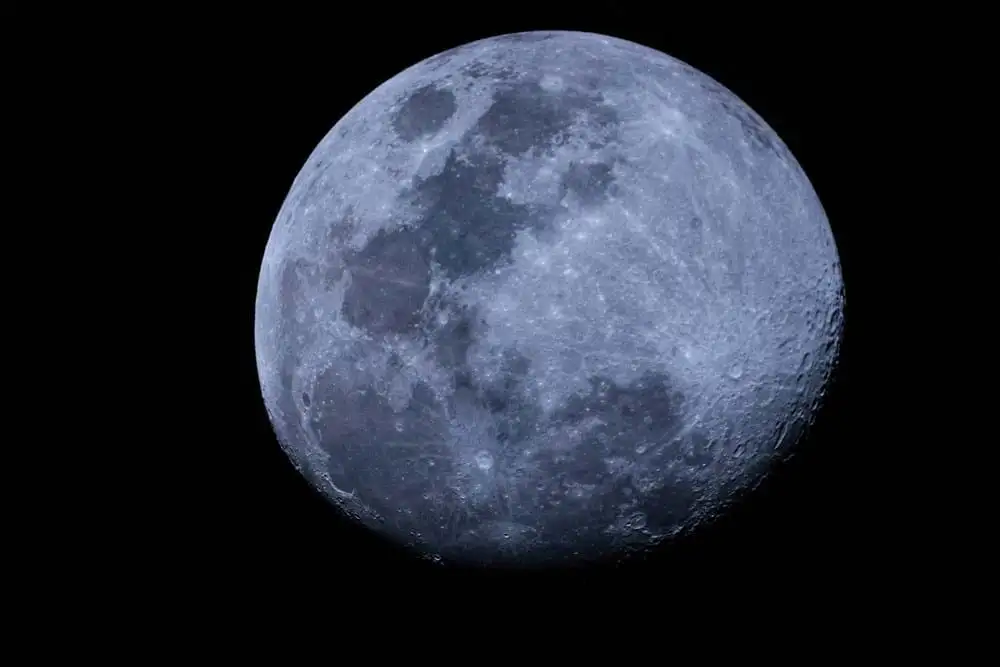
(545, 298)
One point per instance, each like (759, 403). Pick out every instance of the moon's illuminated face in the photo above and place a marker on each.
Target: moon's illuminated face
(545, 297)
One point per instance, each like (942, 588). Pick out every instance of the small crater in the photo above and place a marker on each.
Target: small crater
(424, 113)
(552, 83)
(572, 360)
(306, 401)
(484, 460)
(635, 522)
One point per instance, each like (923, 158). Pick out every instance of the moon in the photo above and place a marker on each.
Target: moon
(545, 298)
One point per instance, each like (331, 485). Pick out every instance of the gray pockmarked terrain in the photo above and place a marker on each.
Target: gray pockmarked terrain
(543, 298)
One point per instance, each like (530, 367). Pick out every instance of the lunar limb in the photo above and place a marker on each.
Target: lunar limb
(545, 298)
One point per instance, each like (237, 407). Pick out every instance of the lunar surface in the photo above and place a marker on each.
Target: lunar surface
(545, 298)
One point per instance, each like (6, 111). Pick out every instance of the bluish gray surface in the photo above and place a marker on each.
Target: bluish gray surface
(542, 298)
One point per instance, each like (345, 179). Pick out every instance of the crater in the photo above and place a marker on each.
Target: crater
(424, 113)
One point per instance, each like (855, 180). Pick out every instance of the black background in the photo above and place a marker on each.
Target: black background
(248, 101)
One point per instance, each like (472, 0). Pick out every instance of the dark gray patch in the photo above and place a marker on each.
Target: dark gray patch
(464, 228)
(311, 190)
(698, 450)
(290, 288)
(441, 58)
(424, 113)
(521, 118)
(337, 235)
(390, 279)
(525, 116)
(528, 37)
(603, 116)
(670, 507)
(706, 83)
(339, 231)
(513, 406)
(493, 542)
(647, 413)
(392, 460)
(753, 127)
(589, 183)
(468, 227)
(451, 341)
(514, 409)
(736, 267)
(333, 275)
(299, 277)
(480, 70)
(287, 419)
(503, 393)
(386, 458)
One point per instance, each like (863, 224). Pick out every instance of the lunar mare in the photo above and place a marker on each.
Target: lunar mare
(543, 298)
